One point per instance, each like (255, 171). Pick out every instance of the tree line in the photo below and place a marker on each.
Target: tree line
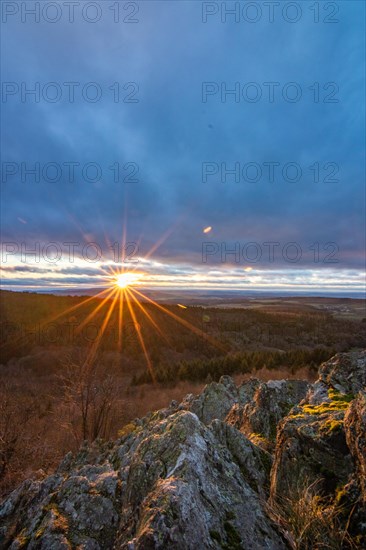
(198, 370)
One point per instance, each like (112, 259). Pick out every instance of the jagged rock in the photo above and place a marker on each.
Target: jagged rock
(254, 462)
(311, 446)
(345, 373)
(214, 402)
(311, 443)
(355, 426)
(169, 482)
(350, 498)
(218, 399)
(271, 401)
(247, 390)
(187, 477)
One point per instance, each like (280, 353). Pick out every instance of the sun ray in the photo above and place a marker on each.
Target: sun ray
(158, 243)
(182, 321)
(152, 321)
(121, 291)
(120, 320)
(94, 312)
(77, 306)
(141, 340)
(165, 235)
(124, 224)
(94, 348)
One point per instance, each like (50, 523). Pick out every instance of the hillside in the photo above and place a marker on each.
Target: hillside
(273, 465)
(173, 335)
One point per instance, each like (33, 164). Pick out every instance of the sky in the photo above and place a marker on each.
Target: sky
(201, 148)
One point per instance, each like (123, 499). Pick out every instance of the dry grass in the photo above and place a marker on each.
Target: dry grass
(310, 522)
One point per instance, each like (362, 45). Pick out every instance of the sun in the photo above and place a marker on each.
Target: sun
(124, 280)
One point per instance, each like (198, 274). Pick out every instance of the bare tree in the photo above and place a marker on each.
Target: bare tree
(90, 395)
(14, 417)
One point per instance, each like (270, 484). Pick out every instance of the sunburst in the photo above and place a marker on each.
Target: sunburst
(124, 292)
(127, 279)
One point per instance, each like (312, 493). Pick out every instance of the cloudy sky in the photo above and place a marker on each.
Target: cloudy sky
(227, 149)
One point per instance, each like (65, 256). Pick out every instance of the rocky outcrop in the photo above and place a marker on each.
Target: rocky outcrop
(214, 402)
(313, 443)
(345, 373)
(193, 476)
(355, 426)
(171, 482)
(311, 447)
(271, 402)
(254, 408)
(353, 495)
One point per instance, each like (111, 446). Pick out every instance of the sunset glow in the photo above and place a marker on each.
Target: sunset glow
(182, 269)
(124, 280)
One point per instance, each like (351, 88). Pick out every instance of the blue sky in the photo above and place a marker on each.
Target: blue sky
(169, 132)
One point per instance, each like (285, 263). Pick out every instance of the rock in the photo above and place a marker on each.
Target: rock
(312, 444)
(355, 427)
(215, 401)
(196, 475)
(254, 463)
(353, 495)
(345, 373)
(247, 390)
(311, 447)
(201, 501)
(169, 482)
(271, 401)
(218, 399)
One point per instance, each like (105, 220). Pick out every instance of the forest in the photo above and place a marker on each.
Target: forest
(54, 395)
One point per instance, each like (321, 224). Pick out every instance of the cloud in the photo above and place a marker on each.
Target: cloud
(170, 133)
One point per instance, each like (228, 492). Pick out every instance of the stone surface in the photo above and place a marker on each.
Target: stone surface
(193, 476)
(312, 443)
(355, 427)
(258, 418)
(214, 402)
(311, 447)
(345, 373)
(171, 482)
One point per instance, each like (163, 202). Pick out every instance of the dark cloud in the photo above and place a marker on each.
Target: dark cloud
(169, 133)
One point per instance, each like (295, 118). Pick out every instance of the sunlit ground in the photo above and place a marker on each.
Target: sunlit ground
(122, 288)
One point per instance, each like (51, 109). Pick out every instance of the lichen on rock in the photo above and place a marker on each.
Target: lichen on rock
(198, 474)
